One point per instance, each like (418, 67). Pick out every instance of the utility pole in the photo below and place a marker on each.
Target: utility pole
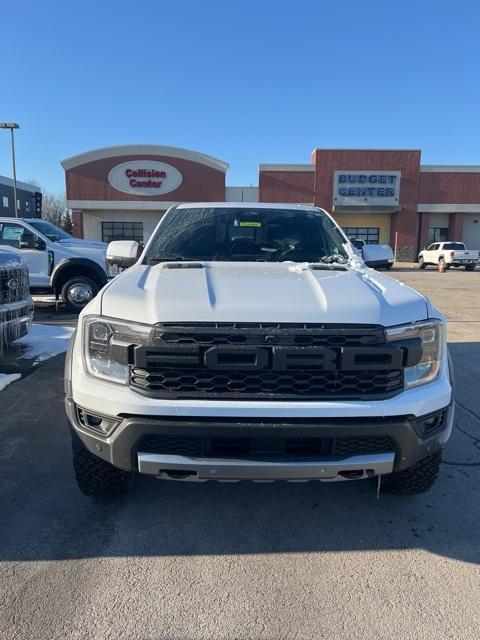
(12, 126)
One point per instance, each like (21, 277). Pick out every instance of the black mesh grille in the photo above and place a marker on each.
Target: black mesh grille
(270, 361)
(185, 383)
(267, 447)
(279, 333)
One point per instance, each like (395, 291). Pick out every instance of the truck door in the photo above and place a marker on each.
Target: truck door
(429, 254)
(17, 238)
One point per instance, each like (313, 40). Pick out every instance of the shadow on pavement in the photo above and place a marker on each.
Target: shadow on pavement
(44, 517)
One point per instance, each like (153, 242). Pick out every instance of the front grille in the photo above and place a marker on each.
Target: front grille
(287, 385)
(270, 361)
(266, 447)
(14, 284)
(249, 333)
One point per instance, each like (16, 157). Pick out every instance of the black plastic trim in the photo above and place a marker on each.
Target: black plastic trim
(120, 447)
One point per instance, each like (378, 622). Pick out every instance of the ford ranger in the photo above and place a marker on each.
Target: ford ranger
(72, 269)
(249, 342)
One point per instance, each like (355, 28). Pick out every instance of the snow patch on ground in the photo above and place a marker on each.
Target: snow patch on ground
(8, 378)
(44, 341)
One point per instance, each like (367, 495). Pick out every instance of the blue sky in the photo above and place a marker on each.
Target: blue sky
(247, 82)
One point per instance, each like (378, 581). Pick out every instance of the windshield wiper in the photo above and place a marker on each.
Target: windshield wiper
(333, 259)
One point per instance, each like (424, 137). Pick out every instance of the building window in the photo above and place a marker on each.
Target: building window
(437, 234)
(371, 235)
(122, 231)
(27, 205)
(18, 205)
(5, 201)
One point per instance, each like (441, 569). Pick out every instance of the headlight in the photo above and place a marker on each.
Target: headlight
(97, 336)
(431, 333)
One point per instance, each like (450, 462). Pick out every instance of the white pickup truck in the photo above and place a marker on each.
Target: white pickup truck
(450, 254)
(248, 342)
(70, 268)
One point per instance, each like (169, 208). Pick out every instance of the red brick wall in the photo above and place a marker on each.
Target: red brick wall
(455, 227)
(200, 183)
(286, 186)
(424, 225)
(437, 187)
(77, 221)
(408, 162)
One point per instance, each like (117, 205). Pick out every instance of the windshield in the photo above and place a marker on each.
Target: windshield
(454, 245)
(253, 235)
(49, 230)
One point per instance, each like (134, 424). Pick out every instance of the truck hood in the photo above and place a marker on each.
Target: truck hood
(78, 243)
(252, 292)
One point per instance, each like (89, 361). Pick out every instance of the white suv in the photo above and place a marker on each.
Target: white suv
(248, 342)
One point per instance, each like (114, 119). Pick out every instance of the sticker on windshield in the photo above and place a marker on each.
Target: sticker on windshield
(241, 223)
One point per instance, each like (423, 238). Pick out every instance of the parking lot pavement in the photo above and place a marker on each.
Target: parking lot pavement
(195, 561)
(48, 312)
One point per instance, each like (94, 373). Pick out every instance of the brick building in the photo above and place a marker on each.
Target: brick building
(384, 196)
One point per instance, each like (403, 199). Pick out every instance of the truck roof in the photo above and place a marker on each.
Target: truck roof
(247, 205)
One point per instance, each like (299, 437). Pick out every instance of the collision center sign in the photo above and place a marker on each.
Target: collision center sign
(366, 188)
(145, 177)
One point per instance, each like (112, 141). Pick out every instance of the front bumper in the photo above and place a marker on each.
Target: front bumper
(15, 320)
(123, 447)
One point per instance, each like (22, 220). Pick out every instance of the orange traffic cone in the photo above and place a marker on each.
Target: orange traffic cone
(441, 267)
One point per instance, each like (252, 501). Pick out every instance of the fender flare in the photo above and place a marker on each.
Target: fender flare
(85, 263)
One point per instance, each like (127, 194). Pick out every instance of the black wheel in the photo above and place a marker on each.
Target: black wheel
(77, 292)
(388, 267)
(97, 478)
(418, 479)
(421, 263)
(470, 267)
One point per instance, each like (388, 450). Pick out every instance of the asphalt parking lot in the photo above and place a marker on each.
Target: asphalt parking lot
(195, 561)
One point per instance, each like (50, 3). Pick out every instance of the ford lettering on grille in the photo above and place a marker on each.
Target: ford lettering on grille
(244, 362)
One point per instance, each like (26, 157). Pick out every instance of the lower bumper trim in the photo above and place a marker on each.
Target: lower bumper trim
(202, 469)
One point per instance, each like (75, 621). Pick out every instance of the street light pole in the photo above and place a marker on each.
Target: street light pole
(12, 126)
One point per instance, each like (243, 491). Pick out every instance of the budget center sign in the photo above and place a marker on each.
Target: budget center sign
(366, 188)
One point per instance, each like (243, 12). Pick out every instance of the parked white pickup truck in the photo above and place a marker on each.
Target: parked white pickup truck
(72, 269)
(248, 342)
(450, 254)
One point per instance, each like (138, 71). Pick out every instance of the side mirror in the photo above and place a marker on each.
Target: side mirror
(122, 253)
(30, 241)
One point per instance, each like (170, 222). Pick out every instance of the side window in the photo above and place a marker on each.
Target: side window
(11, 234)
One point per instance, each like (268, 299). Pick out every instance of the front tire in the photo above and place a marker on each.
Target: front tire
(418, 479)
(97, 478)
(421, 263)
(77, 292)
(470, 267)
